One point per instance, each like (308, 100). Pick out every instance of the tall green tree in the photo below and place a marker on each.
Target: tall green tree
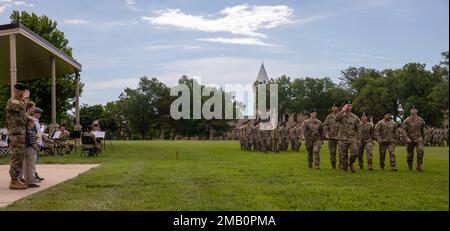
(41, 88)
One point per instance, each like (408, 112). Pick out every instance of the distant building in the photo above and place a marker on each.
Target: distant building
(290, 119)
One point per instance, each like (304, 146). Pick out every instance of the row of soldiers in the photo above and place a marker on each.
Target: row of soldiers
(437, 136)
(345, 130)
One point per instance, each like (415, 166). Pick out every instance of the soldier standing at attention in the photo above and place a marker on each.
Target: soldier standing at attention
(313, 133)
(295, 136)
(331, 129)
(414, 127)
(275, 138)
(255, 137)
(386, 135)
(283, 134)
(348, 136)
(16, 118)
(366, 142)
(241, 136)
(248, 129)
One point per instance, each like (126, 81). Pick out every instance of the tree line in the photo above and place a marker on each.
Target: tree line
(144, 112)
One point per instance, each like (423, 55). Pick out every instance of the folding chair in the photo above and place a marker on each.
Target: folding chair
(88, 145)
(4, 144)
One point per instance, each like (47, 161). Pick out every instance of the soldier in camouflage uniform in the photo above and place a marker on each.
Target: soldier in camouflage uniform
(255, 137)
(349, 129)
(248, 130)
(366, 142)
(313, 134)
(266, 140)
(241, 136)
(275, 138)
(331, 128)
(386, 136)
(283, 137)
(16, 118)
(414, 127)
(295, 135)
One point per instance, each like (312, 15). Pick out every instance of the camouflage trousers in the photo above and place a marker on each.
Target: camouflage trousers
(266, 145)
(368, 146)
(295, 144)
(410, 150)
(332, 146)
(275, 145)
(313, 151)
(247, 143)
(256, 144)
(283, 144)
(391, 148)
(344, 148)
(17, 144)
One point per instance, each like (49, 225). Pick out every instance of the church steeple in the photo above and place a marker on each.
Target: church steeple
(262, 75)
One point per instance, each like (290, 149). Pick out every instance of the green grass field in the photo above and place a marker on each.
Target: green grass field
(219, 176)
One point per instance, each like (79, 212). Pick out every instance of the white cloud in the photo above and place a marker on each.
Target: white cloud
(369, 56)
(75, 21)
(5, 4)
(239, 20)
(237, 41)
(131, 4)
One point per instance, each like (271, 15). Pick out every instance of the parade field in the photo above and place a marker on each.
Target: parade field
(217, 175)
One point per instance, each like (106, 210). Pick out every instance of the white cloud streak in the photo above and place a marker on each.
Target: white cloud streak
(369, 56)
(75, 21)
(5, 4)
(131, 4)
(238, 20)
(237, 41)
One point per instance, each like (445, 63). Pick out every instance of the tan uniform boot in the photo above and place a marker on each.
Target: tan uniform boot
(352, 168)
(419, 168)
(16, 185)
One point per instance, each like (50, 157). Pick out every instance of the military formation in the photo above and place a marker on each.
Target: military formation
(349, 137)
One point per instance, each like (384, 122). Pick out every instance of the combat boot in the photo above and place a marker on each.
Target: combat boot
(310, 166)
(352, 168)
(16, 185)
(361, 166)
(369, 167)
(410, 167)
(419, 168)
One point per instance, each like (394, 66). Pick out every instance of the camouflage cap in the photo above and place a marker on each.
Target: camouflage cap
(21, 86)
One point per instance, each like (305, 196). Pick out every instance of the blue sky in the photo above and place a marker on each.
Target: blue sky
(117, 41)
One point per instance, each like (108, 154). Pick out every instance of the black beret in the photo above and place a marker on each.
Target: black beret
(38, 110)
(348, 102)
(414, 107)
(312, 110)
(387, 112)
(21, 86)
(336, 105)
(365, 114)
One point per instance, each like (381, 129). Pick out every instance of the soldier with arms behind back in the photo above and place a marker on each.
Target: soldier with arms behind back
(386, 136)
(414, 127)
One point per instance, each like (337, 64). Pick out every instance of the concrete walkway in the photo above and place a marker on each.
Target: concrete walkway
(53, 174)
